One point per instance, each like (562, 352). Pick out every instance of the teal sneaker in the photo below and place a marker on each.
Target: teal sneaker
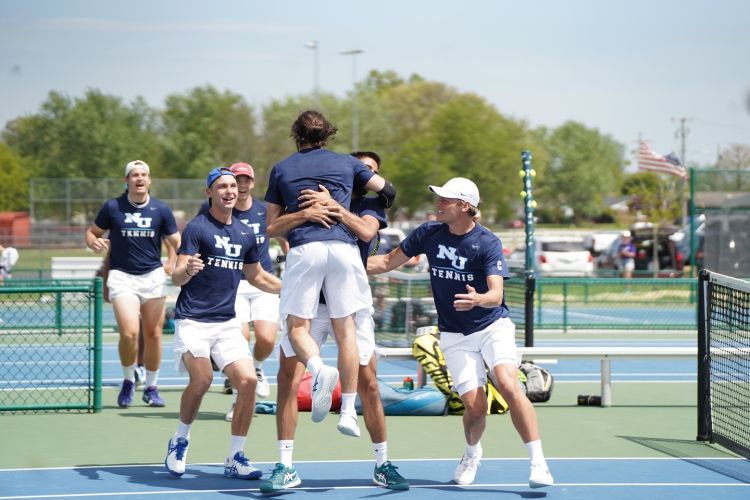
(387, 475)
(282, 478)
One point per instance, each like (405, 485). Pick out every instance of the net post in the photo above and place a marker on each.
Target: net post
(704, 365)
(98, 348)
(528, 304)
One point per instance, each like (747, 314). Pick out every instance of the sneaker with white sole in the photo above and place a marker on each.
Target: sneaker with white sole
(230, 414)
(540, 476)
(240, 467)
(176, 456)
(282, 478)
(263, 389)
(466, 470)
(387, 475)
(348, 425)
(322, 391)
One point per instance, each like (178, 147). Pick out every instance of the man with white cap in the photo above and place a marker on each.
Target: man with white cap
(467, 269)
(137, 223)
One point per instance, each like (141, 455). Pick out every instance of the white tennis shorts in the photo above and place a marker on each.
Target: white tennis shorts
(333, 266)
(466, 355)
(253, 304)
(320, 328)
(221, 341)
(628, 265)
(144, 286)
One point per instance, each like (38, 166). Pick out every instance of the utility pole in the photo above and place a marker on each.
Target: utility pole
(682, 134)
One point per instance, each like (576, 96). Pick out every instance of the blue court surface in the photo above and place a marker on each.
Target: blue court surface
(583, 478)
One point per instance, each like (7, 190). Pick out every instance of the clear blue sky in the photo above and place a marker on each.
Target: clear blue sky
(624, 67)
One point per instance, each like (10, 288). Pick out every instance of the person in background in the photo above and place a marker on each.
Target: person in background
(217, 249)
(467, 269)
(626, 252)
(137, 223)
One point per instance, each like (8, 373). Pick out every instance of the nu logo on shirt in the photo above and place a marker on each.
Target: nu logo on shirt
(255, 226)
(230, 249)
(450, 254)
(136, 217)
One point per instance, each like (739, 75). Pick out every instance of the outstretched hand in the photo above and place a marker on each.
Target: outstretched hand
(466, 301)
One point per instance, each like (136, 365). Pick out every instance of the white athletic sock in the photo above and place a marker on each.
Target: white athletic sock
(258, 363)
(236, 443)
(314, 365)
(347, 402)
(535, 451)
(381, 452)
(128, 372)
(473, 450)
(286, 449)
(234, 395)
(151, 378)
(183, 430)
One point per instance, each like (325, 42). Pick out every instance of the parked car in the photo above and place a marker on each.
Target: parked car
(669, 259)
(558, 256)
(600, 241)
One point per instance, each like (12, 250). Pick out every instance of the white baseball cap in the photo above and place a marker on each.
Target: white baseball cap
(458, 188)
(136, 164)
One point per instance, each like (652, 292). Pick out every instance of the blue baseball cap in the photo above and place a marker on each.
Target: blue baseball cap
(216, 173)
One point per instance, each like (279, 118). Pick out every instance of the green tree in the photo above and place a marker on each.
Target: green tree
(15, 195)
(583, 167)
(206, 128)
(93, 137)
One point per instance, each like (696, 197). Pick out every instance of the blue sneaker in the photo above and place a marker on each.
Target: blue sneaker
(151, 397)
(282, 478)
(127, 392)
(387, 475)
(176, 453)
(239, 466)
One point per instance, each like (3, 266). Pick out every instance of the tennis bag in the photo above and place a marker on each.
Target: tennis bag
(422, 401)
(537, 381)
(426, 350)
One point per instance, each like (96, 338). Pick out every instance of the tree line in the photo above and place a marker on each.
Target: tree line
(425, 131)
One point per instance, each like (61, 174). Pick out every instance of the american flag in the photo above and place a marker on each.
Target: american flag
(648, 159)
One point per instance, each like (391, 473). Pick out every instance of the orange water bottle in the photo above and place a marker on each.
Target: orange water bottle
(408, 383)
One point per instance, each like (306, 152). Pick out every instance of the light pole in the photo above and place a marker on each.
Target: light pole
(355, 115)
(316, 77)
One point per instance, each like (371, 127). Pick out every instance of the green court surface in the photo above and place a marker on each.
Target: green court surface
(648, 420)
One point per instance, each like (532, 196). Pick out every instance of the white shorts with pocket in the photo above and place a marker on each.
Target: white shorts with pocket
(221, 341)
(144, 286)
(467, 355)
(333, 266)
(320, 329)
(253, 304)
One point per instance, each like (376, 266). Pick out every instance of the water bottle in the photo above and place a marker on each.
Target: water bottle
(408, 383)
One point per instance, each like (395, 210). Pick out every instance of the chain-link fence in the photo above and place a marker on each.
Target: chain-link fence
(51, 345)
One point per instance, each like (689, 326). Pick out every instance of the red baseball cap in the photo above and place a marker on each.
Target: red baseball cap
(242, 169)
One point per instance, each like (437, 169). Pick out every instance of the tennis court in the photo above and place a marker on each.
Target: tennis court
(644, 446)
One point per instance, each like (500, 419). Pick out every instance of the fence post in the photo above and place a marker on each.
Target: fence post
(98, 348)
(565, 306)
(529, 310)
(58, 313)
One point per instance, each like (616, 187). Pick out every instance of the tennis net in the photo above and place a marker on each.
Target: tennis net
(724, 362)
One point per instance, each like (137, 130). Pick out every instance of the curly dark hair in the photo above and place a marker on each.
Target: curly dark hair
(312, 128)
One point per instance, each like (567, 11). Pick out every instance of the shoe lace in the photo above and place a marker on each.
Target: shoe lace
(241, 459)
(180, 448)
(259, 374)
(470, 462)
(389, 470)
(277, 471)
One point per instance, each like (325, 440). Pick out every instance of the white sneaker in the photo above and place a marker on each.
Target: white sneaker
(540, 476)
(230, 414)
(466, 470)
(263, 389)
(176, 456)
(348, 424)
(240, 467)
(321, 392)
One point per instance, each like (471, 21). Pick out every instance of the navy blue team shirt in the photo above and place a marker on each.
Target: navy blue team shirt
(457, 261)
(255, 217)
(374, 207)
(135, 233)
(209, 296)
(305, 170)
